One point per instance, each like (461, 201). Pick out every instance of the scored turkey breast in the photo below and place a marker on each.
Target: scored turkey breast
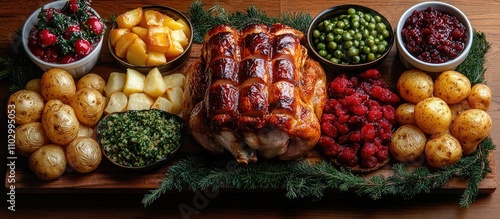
(255, 93)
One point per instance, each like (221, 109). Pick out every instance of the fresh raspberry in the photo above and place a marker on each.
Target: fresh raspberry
(329, 129)
(370, 74)
(353, 100)
(343, 128)
(346, 155)
(382, 153)
(328, 117)
(374, 115)
(385, 95)
(369, 162)
(359, 110)
(355, 136)
(338, 85)
(343, 119)
(368, 132)
(369, 149)
(389, 113)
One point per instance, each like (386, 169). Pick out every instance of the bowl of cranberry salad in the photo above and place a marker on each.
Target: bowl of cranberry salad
(66, 35)
(433, 36)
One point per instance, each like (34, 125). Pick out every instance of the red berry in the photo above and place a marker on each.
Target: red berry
(71, 29)
(51, 55)
(389, 113)
(382, 153)
(338, 85)
(95, 25)
(72, 6)
(374, 115)
(368, 132)
(347, 155)
(67, 59)
(369, 162)
(46, 38)
(369, 149)
(329, 129)
(82, 47)
(370, 74)
(38, 51)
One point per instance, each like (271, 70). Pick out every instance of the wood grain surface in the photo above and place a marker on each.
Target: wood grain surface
(111, 193)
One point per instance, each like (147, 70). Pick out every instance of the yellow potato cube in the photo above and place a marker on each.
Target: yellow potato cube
(172, 24)
(115, 83)
(124, 43)
(174, 94)
(130, 18)
(134, 82)
(174, 80)
(153, 18)
(141, 32)
(179, 36)
(139, 101)
(115, 34)
(174, 50)
(159, 39)
(162, 103)
(137, 53)
(117, 103)
(156, 58)
(154, 86)
(185, 27)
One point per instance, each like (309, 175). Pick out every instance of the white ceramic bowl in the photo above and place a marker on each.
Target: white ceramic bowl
(77, 68)
(412, 62)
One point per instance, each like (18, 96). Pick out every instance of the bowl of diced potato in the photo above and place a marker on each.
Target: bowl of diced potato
(151, 37)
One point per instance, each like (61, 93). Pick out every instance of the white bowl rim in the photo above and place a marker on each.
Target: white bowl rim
(75, 64)
(467, 24)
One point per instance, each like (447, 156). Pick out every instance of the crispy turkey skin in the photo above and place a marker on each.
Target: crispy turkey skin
(255, 93)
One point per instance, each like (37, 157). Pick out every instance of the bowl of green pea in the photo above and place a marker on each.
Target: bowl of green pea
(349, 38)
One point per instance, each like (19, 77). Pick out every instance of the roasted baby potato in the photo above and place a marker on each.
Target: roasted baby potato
(415, 85)
(91, 80)
(33, 85)
(60, 122)
(88, 104)
(83, 154)
(480, 97)
(29, 138)
(470, 128)
(405, 114)
(57, 84)
(48, 162)
(28, 106)
(442, 150)
(452, 87)
(408, 143)
(433, 115)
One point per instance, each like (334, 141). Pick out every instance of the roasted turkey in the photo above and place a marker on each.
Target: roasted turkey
(255, 93)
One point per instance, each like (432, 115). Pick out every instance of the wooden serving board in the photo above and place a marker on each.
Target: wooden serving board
(108, 178)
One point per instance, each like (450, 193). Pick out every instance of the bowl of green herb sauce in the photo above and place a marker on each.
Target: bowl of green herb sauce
(140, 139)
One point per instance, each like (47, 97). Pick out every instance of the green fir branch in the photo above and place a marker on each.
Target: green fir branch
(473, 65)
(205, 19)
(17, 67)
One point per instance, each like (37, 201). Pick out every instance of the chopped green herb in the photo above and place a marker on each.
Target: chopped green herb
(139, 138)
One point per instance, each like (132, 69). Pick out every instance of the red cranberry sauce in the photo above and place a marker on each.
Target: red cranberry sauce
(433, 36)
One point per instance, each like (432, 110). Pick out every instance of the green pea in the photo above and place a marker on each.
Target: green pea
(370, 57)
(367, 50)
(348, 44)
(329, 27)
(322, 53)
(356, 59)
(355, 24)
(330, 37)
(338, 31)
(332, 45)
(335, 60)
(351, 11)
(358, 36)
(328, 56)
(371, 26)
(338, 38)
(381, 48)
(386, 33)
(353, 51)
(316, 33)
(380, 27)
(340, 24)
(370, 42)
(346, 36)
(374, 48)
(320, 46)
(337, 54)
(378, 19)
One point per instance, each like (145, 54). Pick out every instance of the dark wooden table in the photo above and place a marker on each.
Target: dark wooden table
(86, 203)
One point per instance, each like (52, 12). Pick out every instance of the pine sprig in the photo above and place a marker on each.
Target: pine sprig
(301, 179)
(205, 19)
(17, 67)
(473, 65)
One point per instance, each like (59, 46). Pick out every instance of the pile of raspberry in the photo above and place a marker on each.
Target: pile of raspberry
(357, 121)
